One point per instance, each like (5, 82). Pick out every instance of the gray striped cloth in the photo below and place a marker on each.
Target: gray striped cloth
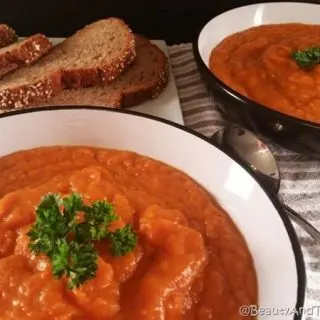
(300, 188)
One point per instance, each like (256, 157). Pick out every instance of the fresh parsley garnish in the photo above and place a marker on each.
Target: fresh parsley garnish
(307, 58)
(65, 230)
(97, 220)
(123, 241)
(78, 261)
(49, 226)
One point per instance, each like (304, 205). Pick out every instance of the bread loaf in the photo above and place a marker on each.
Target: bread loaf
(94, 55)
(144, 80)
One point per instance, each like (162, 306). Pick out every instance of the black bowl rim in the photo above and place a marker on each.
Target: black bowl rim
(296, 247)
(234, 94)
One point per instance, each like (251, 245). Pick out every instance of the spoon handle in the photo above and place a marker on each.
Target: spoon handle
(304, 224)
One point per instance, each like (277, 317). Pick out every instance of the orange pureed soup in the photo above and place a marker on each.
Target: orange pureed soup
(258, 64)
(190, 261)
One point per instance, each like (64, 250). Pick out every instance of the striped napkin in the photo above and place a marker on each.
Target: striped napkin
(300, 188)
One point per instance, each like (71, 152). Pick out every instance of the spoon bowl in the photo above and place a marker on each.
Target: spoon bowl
(250, 149)
(256, 155)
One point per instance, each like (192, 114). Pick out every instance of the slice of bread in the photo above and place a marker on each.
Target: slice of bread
(94, 55)
(7, 35)
(23, 53)
(144, 80)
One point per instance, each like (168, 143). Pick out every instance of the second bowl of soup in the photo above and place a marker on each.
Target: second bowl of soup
(263, 70)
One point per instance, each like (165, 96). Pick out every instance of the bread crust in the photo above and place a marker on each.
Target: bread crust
(23, 53)
(7, 67)
(25, 95)
(7, 35)
(133, 98)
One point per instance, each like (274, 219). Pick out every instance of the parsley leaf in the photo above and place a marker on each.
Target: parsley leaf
(78, 261)
(71, 205)
(123, 241)
(98, 217)
(307, 58)
(49, 226)
(65, 230)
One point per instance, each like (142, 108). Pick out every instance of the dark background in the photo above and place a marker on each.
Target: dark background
(175, 21)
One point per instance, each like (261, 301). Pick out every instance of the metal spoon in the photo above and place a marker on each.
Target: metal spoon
(248, 148)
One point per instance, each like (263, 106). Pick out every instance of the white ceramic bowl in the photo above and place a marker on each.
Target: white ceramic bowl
(293, 133)
(267, 230)
(253, 15)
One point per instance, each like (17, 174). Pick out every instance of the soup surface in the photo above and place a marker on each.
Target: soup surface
(190, 262)
(258, 64)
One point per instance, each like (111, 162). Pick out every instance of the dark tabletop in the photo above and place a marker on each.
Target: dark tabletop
(175, 21)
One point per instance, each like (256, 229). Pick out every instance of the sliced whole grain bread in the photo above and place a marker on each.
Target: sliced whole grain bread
(23, 53)
(144, 80)
(7, 35)
(94, 55)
